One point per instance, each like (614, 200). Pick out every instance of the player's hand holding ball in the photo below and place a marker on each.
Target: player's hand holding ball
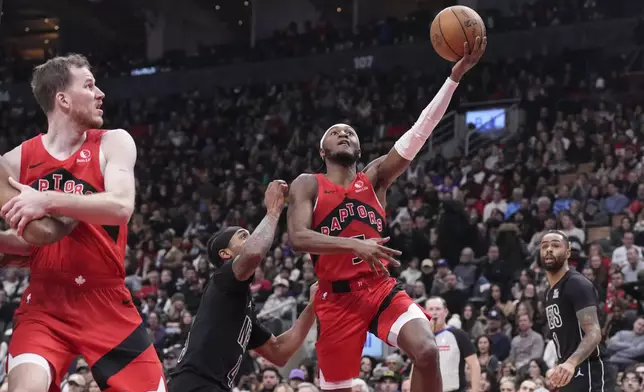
(372, 252)
(560, 375)
(29, 205)
(275, 197)
(458, 35)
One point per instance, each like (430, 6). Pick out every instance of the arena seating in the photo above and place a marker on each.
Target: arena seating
(575, 162)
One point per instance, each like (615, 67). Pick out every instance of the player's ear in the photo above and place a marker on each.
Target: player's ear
(322, 154)
(225, 254)
(61, 98)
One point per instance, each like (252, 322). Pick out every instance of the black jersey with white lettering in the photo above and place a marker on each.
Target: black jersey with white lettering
(223, 329)
(568, 296)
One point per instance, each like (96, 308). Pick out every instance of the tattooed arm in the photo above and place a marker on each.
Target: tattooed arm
(259, 243)
(589, 323)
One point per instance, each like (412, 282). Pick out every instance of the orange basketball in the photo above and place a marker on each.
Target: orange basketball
(452, 27)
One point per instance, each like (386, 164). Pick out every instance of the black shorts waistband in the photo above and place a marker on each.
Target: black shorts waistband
(349, 285)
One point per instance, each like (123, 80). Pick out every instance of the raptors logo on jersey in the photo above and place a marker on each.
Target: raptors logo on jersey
(354, 211)
(63, 181)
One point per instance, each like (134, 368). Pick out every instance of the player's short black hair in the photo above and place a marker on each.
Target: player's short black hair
(563, 235)
(219, 241)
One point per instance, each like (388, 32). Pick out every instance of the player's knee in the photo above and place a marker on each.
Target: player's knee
(425, 354)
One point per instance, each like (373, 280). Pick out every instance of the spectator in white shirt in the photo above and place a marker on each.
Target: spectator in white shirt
(411, 274)
(497, 203)
(619, 254)
(633, 267)
(568, 227)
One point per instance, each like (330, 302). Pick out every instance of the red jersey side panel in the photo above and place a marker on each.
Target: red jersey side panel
(90, 249)
(354, 211)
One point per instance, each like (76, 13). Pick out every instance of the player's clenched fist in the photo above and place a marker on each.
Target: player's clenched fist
(372, 252)
(275, 197)
(561, 374)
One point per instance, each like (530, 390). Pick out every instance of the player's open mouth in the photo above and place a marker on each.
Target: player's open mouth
(549, 258)
(344, 143)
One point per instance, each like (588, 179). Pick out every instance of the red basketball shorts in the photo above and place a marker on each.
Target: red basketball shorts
(346, 311)
(91, 317)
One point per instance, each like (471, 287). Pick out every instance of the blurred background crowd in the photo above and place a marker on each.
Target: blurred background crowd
(468, 215)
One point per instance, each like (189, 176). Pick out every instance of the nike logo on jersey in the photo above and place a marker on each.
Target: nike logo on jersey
(36, 165)
(326, 191)
(127, 301)
(579, 373)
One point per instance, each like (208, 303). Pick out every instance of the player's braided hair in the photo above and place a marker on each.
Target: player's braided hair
(563, 235)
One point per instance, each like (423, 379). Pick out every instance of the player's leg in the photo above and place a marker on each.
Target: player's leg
(342, 332)
(403, 324)
(116, 344)
(144, 373)
(37, 359)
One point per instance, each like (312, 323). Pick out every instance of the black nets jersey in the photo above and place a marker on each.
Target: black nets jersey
(568, 296)
(223, 329)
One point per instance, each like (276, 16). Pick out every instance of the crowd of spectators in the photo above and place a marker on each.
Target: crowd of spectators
(469, 227)
(322, 36)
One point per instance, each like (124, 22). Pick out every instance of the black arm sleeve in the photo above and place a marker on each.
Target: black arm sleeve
(581, 292)
(225, 280)
(464, 343)
(259, 336)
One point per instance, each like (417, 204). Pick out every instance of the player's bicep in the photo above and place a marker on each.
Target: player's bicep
(301, 203)
(389, 169)
(588, 320)
(120, 154)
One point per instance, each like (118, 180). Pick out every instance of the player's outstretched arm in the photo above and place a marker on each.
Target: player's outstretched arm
(44, 231)
(384, 173)
(279, 349)
(112, 207)
(259, 243)
(300, 219)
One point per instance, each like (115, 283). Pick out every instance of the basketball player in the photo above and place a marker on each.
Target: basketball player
(456, 350)
(340, 216)
(226, 325)
(571, 309)
(77, 302)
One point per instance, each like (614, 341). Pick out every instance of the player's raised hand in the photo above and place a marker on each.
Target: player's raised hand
(561, 374)
(275, 197)
(27, 206)
(472, 56)
(372, 252)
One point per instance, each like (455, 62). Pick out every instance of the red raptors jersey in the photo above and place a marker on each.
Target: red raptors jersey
(89, 249)
(354, 211)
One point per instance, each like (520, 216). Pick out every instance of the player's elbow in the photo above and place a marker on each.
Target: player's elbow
(123, 211)
(298, 240)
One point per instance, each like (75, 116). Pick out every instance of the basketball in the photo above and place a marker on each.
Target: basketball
(452, 27)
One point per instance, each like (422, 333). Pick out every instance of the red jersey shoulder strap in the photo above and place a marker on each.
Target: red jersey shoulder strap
(30, 151)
